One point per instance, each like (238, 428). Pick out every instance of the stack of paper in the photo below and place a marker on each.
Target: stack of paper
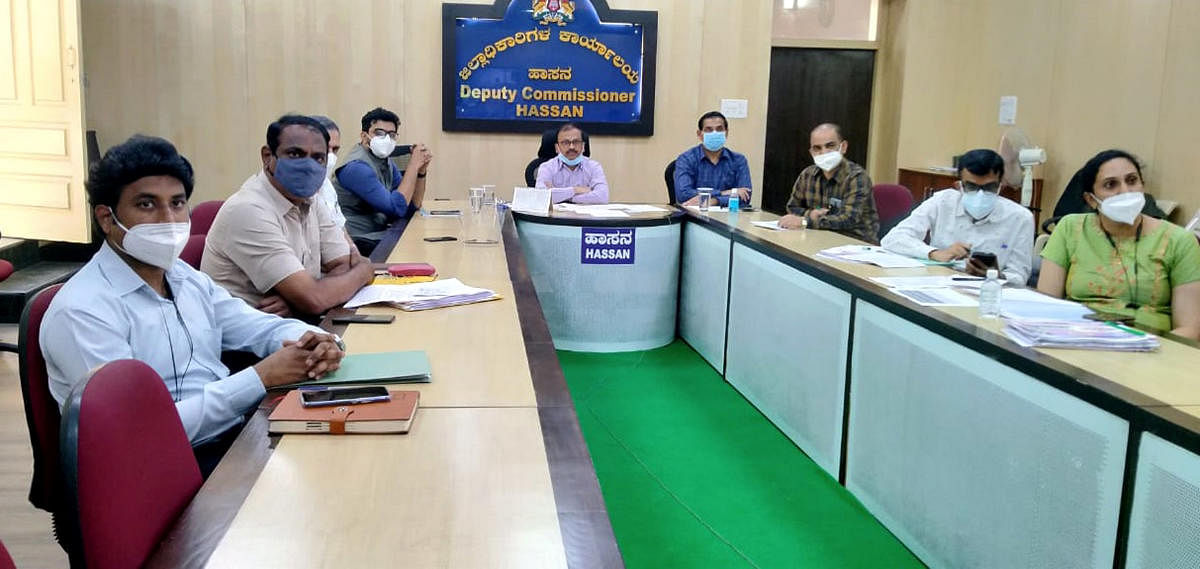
(870, 255)
(1030, 304)
(1079, 335)
(421, 296)
(608, 210)
(773, 225)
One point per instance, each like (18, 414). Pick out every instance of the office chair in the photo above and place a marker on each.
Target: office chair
(547, 151)
(203, 215)
(127, 463)
(893, 203)
(669, 177)
(193, 252)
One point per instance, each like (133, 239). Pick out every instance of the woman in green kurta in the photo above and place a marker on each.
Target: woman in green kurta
(1122, 261)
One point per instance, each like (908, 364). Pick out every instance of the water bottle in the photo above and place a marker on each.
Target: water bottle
(989, 295)
(735, 202)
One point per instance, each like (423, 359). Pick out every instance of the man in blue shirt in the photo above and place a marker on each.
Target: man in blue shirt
(711, 165)
(136, 299)
(370, 189)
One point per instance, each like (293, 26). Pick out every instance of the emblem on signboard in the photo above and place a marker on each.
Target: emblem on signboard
(559, 12)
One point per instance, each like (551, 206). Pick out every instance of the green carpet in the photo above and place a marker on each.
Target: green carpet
(694, 476)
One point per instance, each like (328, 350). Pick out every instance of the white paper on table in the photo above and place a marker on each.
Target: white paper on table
(936, 297)
(1026, 303)
(398, 294)
(531, 200)
(642, 208)
(768, 225)
(938, 281)
(606, 213)
(710, 208)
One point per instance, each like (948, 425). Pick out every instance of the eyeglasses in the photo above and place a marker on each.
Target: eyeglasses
(570, 143)
(993, 187)
(388, 133)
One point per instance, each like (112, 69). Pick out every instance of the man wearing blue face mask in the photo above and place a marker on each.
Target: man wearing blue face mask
(136, 299)
(711, 165)
(275, 246)
(971, 218)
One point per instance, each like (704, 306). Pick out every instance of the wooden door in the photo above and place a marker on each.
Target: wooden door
(809, 87)
(42, 159)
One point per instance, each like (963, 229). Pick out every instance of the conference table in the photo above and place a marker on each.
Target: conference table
(972, 450)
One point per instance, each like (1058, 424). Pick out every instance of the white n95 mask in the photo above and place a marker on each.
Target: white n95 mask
(157, 244)
(828, 161)
(330, 164)
(1123, 207)
(382, 146)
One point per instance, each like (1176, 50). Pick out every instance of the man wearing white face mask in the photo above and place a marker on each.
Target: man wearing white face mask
(136, 299)
(372, 191)
(833, 193)
(327, 193)
(274, 244)
(971, 218)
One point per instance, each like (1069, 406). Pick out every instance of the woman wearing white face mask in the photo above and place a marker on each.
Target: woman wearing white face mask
(1121, 261)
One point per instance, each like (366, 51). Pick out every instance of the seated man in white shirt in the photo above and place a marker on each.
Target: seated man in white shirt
(971, 218)
(136, 299)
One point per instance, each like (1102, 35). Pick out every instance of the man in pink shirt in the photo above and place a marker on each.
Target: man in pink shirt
(571, 176)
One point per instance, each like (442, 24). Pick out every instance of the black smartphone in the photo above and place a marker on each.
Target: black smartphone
(1109, 317)
(987, 259)
(441, 238)
(317, 397)
(364, 319)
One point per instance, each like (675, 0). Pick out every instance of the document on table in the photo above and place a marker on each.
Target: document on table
(531, 200)
(774, 225)
(1030, 304)
(420, 296)
(1079, 335)
(710, 209)
(936, 297)
(870, 255)
(939, 281)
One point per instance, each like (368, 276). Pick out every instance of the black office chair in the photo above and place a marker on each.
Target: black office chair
(547, 151)
(669, 177)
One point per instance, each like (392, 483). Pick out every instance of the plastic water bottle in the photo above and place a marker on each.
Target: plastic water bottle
(735, 202)
(989, 295)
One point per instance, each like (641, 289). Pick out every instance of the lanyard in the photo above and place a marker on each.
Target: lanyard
(1131, 285)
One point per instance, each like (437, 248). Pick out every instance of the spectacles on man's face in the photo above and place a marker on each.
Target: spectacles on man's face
(388, 133)
(571, 143)
(990, 187)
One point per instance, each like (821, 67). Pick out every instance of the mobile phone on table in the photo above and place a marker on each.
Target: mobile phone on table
(320, 396)
(987, 259)
(441, 238)
(445, 212)
(1109, 317)
(364, 319)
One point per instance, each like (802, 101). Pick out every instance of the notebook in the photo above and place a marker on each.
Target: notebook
(395, 416)
(382, 367)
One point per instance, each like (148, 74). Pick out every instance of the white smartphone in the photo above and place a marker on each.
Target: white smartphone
(319, 396)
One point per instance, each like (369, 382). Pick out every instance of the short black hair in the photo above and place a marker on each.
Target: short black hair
(981, 162)
(327, 123)
(711, 115)
(1087, 174)
(285, 121)
(379, 114)
(568, 126)
(139, 157)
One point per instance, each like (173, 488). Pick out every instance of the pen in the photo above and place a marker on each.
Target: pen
(1120, 326)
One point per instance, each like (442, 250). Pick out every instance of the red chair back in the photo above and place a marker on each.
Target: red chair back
(193, 251)
(203, 215)
(6, 561)
(41, 410)
(6, 269)
(127, 463)
(893, 202)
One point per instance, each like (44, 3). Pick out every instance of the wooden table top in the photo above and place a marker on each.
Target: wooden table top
(1167, 377)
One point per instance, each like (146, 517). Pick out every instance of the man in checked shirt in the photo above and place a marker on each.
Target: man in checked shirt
(833, 193)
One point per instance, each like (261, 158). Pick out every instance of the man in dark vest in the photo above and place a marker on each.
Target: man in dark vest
(370, 189)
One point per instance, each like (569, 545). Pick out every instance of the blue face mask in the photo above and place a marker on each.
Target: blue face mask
(570, 161)
(301, 177)
(714, 141)
(979, 204)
